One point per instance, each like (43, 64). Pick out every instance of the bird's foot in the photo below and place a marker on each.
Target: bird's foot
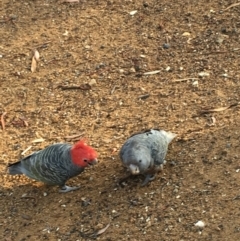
(148, 178)
(66, 188)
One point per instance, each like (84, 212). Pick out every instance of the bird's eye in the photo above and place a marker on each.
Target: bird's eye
(85, 160)
(140, 160)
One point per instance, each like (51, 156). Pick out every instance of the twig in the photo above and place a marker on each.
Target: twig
(2, 120)
(24, 122)
(231, 6)
(26, 150)
(217, 109)
(113, 89)
(73, 137)
(143, 97)
(180, 80)
(42, 45)
(152, 72)
(237, 197)
(82, 87)
(29, 197)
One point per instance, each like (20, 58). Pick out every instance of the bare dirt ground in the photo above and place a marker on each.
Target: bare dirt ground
(195, 47)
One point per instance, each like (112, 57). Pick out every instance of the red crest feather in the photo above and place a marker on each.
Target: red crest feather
(82, 154)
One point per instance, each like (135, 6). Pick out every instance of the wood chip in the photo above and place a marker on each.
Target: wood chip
(33, 65)
(185, 79)
(143, 97)
(38, 140)
(152, 72)
(3, 121)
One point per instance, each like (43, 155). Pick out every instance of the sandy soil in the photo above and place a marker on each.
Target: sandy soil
(105, 49)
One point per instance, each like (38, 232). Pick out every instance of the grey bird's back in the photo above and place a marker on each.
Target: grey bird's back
(154, 141)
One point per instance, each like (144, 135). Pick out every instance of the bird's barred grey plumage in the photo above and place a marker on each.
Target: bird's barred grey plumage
(144, 153)
(52, 165)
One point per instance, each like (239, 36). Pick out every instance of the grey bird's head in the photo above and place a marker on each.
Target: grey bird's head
(139, 161)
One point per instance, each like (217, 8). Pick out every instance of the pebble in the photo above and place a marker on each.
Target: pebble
(166, 46)
(200, 224)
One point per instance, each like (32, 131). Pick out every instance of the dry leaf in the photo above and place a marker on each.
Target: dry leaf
(34, 64)
(101, 231)
(231, 6)
(36, 55)
(218, 109)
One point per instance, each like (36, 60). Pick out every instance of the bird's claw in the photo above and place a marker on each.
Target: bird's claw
(66, 188)
(148, 178)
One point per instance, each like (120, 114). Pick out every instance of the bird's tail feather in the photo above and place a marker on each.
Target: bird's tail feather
(15, 168)
(169, 135)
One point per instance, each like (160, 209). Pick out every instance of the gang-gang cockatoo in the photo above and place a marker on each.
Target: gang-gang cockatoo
(144, 152)
(57, 163)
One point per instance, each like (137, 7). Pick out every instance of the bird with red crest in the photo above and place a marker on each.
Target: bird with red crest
(57, 163)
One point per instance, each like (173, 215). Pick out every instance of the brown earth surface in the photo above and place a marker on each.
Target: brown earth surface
(104, 48)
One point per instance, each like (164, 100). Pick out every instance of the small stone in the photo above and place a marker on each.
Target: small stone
(44, 194)
(133, 12)
(132, 70)
(203, 74)
(200, 224)
(92, 82)
(168, 68)
(166, 46)
(195, 83)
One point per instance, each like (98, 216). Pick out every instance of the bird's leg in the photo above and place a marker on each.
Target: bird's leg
(148, 178)
(66, 188)
(124, 179)
(151, 174)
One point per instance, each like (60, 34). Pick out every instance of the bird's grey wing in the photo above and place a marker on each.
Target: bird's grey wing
(147, 131)
(159, 147)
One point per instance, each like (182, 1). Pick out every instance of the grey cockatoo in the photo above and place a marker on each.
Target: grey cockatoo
(144, 153)
(57, 163)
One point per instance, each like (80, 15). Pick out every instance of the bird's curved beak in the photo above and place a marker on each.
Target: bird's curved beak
(93, 162)
(134, 169)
